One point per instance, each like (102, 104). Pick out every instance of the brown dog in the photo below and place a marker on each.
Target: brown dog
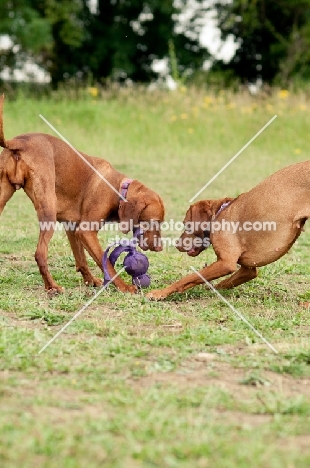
(252, 230)
(63, 187)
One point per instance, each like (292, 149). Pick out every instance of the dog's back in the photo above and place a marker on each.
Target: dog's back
(283, 195)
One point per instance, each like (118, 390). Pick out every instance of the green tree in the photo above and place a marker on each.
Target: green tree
(130, 34)
(30, 34)
(121, 39)
(37, 28)
(273, 37)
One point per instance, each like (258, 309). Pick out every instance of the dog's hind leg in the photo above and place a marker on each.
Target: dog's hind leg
(47, 229)
(243, 275)
(40, 188)
(80, 260)
(6, 191)
(46, 211)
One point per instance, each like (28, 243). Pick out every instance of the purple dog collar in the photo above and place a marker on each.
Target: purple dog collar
(222, 208)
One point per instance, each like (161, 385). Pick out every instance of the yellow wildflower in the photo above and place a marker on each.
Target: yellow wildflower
(302, 107)
(297, 151)
(183, 116)
(173, 118)
(208, 99)
(283, 94)
(190, 130)
(93, 91)
(246, 110)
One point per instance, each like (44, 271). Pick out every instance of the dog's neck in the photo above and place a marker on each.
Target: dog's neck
(206, 232)
(222, 207)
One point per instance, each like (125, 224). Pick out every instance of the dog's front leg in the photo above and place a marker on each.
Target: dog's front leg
(209, 273)
(91, 244)
(80, 260)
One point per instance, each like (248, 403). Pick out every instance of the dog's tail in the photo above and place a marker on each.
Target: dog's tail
(2, 139)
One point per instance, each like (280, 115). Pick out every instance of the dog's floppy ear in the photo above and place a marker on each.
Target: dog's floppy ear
(129, 213)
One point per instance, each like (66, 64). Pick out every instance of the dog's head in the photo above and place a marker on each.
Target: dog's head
(197, 226)
(145, 209)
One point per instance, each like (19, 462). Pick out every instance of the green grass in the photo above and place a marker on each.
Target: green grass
(123, 386)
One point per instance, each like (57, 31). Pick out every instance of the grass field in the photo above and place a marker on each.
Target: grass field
(125, 385)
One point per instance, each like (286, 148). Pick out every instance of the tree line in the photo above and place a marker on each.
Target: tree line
(120, 39)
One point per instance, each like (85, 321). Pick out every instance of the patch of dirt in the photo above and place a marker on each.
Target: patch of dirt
(222, 375)
(301, 442)
(66, 403)
(17, 260)
(243, 420)
(62, 402)
(13, 321)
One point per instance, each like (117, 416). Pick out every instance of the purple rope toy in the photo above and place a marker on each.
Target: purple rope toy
(136, 263)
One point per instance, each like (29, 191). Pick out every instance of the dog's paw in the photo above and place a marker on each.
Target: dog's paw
(95, 282)
(55, 291)
(156, 295)
(129, 288)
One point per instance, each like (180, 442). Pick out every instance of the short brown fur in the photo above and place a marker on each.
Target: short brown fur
(62, 187)
(283, 198)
